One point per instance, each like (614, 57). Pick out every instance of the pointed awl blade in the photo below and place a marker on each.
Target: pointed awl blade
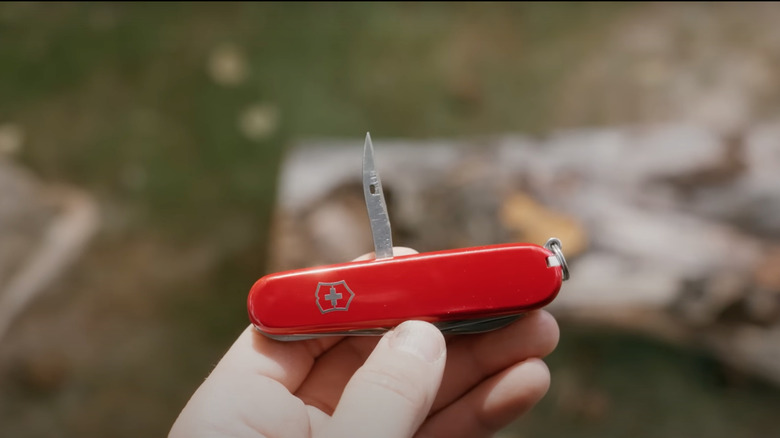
(375, 202)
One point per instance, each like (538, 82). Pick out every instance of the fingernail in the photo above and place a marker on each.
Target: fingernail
(418, 338)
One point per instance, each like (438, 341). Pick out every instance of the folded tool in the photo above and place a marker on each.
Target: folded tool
(467, 290)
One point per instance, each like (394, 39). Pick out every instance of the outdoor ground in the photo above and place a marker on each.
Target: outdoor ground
(176, 116)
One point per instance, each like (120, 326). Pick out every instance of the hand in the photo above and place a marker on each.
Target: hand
(396, 386)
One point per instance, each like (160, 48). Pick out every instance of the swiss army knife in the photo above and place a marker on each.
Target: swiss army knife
(468, 290)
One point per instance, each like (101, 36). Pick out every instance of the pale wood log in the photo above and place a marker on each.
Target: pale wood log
(43, 230)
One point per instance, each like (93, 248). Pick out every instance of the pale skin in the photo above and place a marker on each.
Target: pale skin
(411, 382)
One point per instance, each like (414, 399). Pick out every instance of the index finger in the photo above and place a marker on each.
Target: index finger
(285, 362)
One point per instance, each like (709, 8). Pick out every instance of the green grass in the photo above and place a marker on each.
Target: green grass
(103, 90)
(650, 390)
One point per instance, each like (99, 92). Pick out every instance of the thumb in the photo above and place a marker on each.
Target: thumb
(391, 394)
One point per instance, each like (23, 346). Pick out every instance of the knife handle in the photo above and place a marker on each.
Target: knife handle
(367, 296)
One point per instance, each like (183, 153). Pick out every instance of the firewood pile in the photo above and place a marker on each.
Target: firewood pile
(671, 231)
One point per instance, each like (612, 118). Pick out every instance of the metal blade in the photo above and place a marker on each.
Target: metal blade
(460, 327)
(480, 325)
(375, 202)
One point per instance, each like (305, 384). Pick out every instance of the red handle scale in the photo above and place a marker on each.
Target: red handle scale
(460, 284)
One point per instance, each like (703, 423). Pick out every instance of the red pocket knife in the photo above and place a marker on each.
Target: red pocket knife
(467, 290)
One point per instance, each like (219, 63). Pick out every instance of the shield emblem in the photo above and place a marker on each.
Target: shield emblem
(331, 297)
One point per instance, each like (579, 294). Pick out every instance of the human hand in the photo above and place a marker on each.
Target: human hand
(396, 386)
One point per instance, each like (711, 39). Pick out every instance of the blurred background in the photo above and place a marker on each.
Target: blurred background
(142, 148)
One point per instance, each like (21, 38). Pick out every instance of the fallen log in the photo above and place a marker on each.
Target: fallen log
(43, 230)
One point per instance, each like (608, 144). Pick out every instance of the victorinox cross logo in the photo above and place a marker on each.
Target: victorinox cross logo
(333, 296)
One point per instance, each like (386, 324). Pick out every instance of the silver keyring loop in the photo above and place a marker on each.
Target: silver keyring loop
(554, 245)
